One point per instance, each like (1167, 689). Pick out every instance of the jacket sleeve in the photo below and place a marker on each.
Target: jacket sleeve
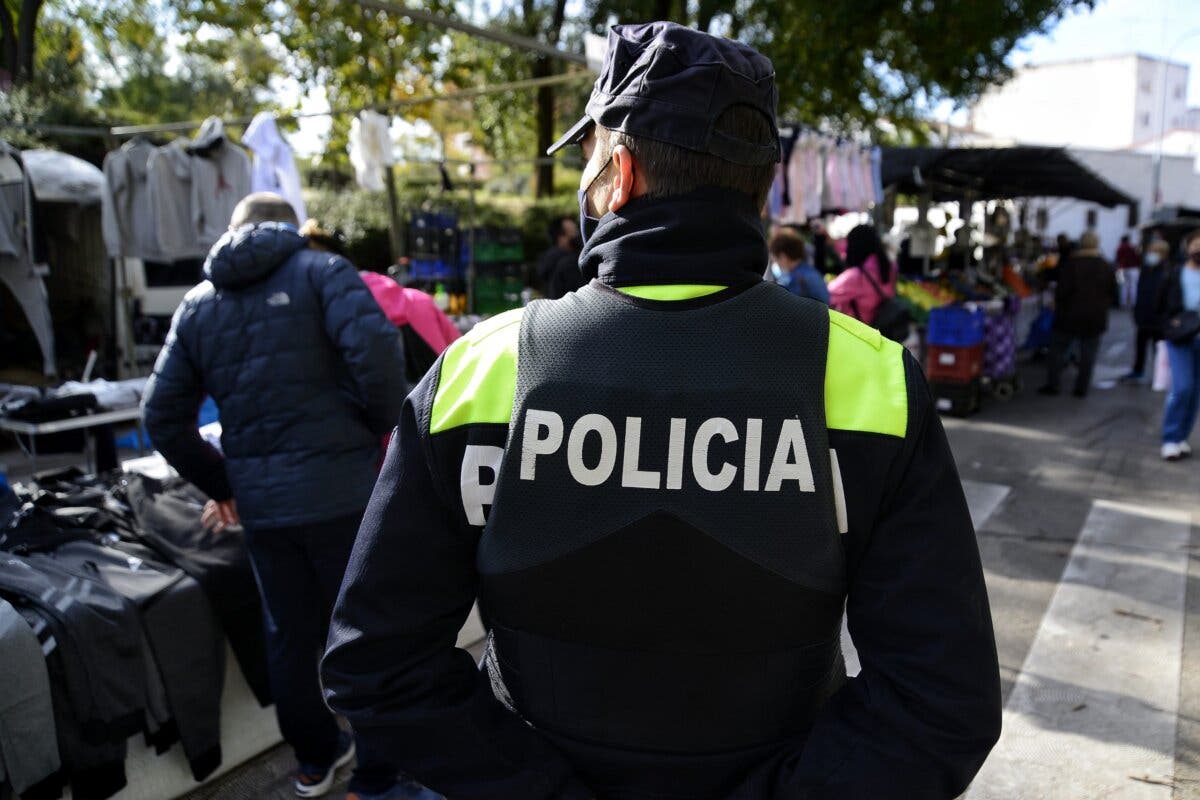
(392, 667)
(370, 345)
(171, 406)
(925, 711)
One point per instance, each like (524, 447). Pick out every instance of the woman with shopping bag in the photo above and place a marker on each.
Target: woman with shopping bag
(1181, 312)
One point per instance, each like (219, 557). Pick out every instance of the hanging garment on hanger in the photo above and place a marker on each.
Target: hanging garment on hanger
(274, 168)
(126, 208)
(220, 179)
(877, 174)
(816, 178)
(797, 185)
(17, 269)
(370, 149)
(170, 170)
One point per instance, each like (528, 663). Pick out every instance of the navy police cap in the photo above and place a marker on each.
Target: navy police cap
(670, 83)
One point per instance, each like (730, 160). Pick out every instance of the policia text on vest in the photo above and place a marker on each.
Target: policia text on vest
(710, 442)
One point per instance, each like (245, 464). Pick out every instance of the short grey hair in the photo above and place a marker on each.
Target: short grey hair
(263, 207)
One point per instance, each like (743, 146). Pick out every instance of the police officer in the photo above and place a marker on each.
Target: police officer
(663, 489)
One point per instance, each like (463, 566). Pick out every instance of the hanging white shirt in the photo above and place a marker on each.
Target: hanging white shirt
(274, 168)
(370, 149)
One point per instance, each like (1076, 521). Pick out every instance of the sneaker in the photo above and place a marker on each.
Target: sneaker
(1132, 377)
(1185, 449)
(1172, 452)
(317, 781)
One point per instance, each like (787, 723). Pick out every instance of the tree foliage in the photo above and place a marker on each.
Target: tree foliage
(846, 64)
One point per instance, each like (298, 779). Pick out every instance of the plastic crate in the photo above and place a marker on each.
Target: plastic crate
(955, 326)
(954, 364)
(957, 399)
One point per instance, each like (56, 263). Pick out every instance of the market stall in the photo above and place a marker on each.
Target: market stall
(973, 313)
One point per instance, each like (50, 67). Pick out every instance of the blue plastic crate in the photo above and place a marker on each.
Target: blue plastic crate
(955, 326)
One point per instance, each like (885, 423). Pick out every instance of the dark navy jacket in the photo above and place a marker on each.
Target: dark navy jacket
(306, 370)
(917, 722)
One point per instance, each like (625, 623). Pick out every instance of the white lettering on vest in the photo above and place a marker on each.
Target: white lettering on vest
(533, 445)
(675, 453)
(783, 468)
(545, 430)
(589, 423)
(753, 454)
(476, 494)
(708, 429)
(631, 476)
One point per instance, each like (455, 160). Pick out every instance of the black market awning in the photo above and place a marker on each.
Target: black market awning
(995, 173)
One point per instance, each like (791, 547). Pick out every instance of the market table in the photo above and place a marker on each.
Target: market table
(84, 422)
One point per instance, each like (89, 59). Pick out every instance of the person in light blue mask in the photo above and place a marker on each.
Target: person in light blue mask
(793, 270)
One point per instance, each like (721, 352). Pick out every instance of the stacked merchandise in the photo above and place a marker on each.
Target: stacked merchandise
(921, 297)
(434, 247)
(1000, 346)
(499, 280)
(955, 358)
(113, 602)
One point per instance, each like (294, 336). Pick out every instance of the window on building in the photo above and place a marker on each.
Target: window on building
(1178, 92)
(1092, 217)
(1147, 87)
(1145, 119)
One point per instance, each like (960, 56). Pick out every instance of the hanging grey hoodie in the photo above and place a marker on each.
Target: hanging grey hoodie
(220, 179)
(171, 196)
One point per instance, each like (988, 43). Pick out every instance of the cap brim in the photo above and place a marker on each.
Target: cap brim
(575, 135)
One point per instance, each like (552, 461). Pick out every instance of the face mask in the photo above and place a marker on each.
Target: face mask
(588, 224)
(1153, 259)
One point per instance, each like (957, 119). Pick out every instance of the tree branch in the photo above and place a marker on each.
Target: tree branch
(26, 38)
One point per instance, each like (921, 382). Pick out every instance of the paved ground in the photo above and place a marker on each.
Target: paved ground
(1090, 549)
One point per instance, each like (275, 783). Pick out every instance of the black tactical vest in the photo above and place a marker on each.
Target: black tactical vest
(662, 568)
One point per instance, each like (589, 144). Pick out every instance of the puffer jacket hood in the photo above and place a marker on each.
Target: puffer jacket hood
(251, 253)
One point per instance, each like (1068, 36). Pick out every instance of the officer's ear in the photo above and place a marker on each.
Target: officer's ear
(625, 175)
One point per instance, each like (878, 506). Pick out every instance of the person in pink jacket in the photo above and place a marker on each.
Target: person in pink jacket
(869, 276)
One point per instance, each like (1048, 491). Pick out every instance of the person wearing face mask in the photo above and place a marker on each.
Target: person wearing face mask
(1180, 309)
(558, 267)
(663, 489)
(1146, 316)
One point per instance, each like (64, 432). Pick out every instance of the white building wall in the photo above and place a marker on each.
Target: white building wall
(1084, 103)
(1107, 104)
(1132, 173)
(1155, 77)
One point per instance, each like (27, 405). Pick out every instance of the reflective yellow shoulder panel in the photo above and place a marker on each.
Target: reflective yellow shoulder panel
(865, 387)
(479, 375)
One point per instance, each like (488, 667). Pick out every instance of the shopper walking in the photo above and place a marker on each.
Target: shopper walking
(309, 376)
(1128, 262)
(558, 267)
(1181, 326)
(664, 488)
(1147, 314)
(796, 272)
(868, 279)
(1086, 290)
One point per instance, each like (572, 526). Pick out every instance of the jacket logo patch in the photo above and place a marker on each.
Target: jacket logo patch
(279, 299)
